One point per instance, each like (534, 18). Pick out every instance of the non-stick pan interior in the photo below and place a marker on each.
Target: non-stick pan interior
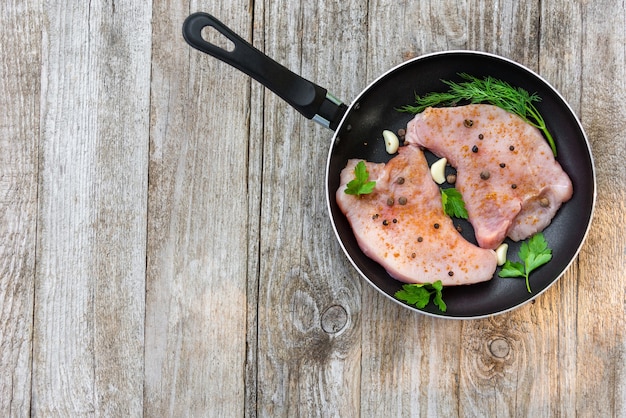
(360, 136)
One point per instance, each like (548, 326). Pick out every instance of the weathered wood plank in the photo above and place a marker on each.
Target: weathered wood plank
(554, 316)
(410, 362)
(308, 318)
(89, 296)
(538, 339)
(514, 359)
(254, 180)
(601, 290)
(19, 140)
(198, 219)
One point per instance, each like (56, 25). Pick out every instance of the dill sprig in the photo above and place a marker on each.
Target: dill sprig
(488, 90)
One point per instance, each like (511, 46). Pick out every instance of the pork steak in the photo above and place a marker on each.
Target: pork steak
(402, 226)
(510, 181)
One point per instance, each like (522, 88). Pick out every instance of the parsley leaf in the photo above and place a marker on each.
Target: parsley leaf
(534, 253)
(453, 204)
(360, 185)
(418, 295)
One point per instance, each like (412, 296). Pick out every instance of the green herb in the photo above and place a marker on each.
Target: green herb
(453, 204)
(488, 90)
(534, 253)
(418, 295)
(360, 185)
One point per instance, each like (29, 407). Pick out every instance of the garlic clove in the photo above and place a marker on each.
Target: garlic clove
(501, 253)
(438, 170)
(391, 142)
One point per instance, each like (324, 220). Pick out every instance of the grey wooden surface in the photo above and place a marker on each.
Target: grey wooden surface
(164, 243)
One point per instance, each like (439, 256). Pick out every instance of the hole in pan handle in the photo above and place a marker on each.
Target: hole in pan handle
(311, 100)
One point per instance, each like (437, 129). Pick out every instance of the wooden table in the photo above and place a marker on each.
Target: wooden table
(165, 248)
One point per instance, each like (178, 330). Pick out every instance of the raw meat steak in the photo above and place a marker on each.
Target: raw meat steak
(510, 181)
(402, 226)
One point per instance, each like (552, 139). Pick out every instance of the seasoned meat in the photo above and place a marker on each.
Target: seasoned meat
(510, 181)
(402, 226)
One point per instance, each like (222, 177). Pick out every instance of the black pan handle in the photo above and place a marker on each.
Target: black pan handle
(313, 101)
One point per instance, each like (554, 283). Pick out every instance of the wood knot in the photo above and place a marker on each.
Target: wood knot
(334, 319)
(499, 348)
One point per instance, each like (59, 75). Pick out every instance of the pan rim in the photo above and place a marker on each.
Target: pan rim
(568, 109)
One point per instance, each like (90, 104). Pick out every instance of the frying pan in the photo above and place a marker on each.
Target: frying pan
(374, 110)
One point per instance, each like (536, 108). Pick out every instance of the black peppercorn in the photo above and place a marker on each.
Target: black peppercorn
(502, 165)
(436, 226)
(468, 123)
(474, 148)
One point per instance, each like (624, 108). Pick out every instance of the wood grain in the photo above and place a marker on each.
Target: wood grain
(19, 140)
(165, 248)
(400, 374)
(308, 303)
(198, 218)
(91, 244)
(601, 332)
(505, 357)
